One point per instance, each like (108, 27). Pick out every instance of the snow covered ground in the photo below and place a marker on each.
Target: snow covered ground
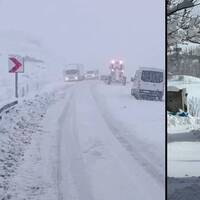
(183, 144)
(83, 141)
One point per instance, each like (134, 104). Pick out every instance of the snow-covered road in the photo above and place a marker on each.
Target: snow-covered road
(97, 160)
(98, 143)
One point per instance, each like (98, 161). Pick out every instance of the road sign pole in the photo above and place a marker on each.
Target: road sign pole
(16, 85)
(16, 65)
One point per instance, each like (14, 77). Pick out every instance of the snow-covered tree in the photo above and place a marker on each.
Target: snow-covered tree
(183, 23)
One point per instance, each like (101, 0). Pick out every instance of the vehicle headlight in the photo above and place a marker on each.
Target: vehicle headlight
(76, 78)
(66, 78)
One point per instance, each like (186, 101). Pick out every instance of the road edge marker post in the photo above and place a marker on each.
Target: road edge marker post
(16, 65)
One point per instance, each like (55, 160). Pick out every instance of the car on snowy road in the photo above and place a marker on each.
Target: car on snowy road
(91, 75)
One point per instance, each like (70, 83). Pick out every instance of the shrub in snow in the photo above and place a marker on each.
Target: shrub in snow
(194, 106)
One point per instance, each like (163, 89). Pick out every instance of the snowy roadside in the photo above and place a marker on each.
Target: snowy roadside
(183, 158)
(20, 158)
(141, 126)
(183, 145)
(124, 117)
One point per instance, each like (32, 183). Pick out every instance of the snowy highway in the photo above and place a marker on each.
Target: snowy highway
(95, 143)
(80, 73)
(98, 157)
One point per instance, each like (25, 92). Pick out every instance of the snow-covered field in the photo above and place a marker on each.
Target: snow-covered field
(83, 141)
(183, 144)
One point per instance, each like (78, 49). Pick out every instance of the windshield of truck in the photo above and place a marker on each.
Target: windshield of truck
(152, 76)
(72, 71)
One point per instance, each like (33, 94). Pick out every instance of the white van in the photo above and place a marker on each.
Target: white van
(148, 83)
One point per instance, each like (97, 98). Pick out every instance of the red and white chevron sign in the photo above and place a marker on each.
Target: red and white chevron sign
(16, 64)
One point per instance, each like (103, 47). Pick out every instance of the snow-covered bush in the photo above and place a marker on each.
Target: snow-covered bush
(183, 23)
(194, 106)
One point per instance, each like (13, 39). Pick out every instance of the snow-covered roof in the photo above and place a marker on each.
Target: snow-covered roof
(174, 88)
(185, 78)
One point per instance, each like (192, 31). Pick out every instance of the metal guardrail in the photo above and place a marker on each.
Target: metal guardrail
(7, 107)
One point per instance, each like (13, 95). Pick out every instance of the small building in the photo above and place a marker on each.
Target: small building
(176, 99)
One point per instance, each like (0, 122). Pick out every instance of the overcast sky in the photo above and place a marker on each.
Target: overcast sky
(92, 31)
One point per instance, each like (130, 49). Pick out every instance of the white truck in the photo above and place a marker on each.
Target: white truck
(148, 83)
(73, 72)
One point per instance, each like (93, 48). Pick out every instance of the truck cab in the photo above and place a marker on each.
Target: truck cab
(71, 75)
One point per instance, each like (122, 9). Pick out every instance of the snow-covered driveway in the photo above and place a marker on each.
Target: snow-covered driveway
(99, 143)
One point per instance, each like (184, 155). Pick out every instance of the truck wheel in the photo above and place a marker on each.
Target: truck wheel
(159, 98)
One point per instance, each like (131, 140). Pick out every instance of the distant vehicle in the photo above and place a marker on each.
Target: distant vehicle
(104, 77)
(71, 75)
(91, 75)
(116, 72)
(148, 83)
(74, 72)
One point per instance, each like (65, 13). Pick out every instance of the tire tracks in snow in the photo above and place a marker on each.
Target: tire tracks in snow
(73, 181)
(61, 121)
(133, 146)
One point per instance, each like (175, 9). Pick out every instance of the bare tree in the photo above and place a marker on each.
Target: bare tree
(194, 106)
(183, 23)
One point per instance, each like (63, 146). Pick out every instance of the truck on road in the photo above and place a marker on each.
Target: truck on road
(116, 72)
(73, 72)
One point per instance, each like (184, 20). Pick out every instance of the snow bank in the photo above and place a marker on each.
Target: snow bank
(177, 123)
(17, 129)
